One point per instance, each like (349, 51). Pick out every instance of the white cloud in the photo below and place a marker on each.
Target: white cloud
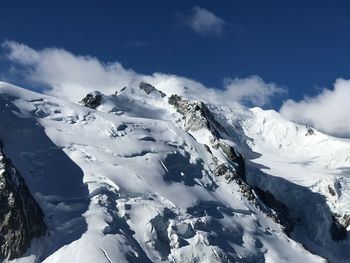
(72, 77)
(68, 75)
(328, 111)
(252, 91)
(205, 22)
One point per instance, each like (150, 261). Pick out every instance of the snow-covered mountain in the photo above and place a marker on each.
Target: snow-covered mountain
(144, 176)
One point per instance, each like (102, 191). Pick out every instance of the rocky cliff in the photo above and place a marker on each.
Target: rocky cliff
(21, 219)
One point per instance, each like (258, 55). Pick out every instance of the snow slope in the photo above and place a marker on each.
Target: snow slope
(128, 182)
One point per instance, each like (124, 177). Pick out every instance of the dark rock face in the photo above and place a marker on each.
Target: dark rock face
(123, 89)
(197, 115)
(148, 88)
(279, 212)
(92, 100)
(236, 158)
(331, 190)
(227, 172)
(174, 100)
(309, 131)
(21, 219)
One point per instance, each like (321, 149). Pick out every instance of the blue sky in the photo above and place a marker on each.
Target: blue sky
(302, 46)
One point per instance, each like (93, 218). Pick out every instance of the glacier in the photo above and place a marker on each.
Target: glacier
(147, 176)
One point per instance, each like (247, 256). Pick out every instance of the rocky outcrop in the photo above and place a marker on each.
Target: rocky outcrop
(198, 116)
(92, 100)
(21, 219)
(148, 88)
(236, 158)
(344, 220)
(279, 212)
(309, 131)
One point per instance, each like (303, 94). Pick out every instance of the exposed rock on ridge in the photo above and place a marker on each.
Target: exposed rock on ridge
(148, 88)
(198, 116)
(92, 100)
(21, 218)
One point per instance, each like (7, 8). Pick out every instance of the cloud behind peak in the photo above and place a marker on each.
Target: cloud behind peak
(72, 76)
(328, 111)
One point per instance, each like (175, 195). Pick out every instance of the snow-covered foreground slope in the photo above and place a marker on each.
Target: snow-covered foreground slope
(139, 179)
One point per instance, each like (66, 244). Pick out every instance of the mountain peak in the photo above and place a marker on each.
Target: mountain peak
(146, 177)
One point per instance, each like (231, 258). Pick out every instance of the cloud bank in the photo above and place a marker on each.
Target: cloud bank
(68, 76)
(328, 111)
(72, 77)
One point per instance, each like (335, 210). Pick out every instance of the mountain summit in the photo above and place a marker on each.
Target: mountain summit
(144, 176)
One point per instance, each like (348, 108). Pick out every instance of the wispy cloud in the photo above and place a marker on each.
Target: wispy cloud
(136, 44)
(328, 111)
(72, 77)
(203, 22)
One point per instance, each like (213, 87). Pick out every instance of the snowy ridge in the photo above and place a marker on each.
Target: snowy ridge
(132, 181)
